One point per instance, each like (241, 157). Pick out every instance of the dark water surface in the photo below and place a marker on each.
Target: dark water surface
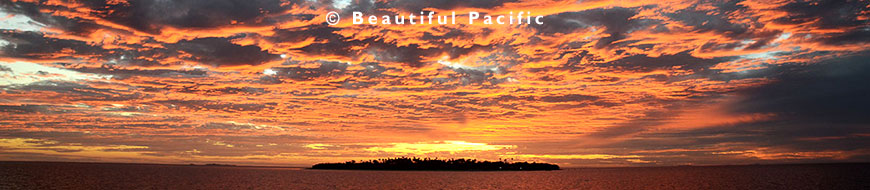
(46, 175)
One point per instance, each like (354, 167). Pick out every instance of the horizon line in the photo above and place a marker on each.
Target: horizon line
(309, 167)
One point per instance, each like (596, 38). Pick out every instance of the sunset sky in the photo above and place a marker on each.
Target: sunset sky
(600, 83)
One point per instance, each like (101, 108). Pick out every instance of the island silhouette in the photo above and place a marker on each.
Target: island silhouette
(436, 164)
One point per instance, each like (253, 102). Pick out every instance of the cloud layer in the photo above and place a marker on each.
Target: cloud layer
(600, 83)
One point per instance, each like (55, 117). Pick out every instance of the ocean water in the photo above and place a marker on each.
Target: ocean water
(45, 175)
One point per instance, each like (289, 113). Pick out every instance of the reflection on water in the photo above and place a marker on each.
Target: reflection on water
(36, 175)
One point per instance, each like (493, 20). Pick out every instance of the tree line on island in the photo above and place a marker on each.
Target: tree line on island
(404, 163)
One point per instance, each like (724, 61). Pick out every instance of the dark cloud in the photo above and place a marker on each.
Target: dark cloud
(118, 72)
(72, 91)
(643, 62)
(22, 109)
(222, 52)
(71, 25)
(817, 100)
(548, 98)
(817, 107)
(36, 45)
(831, 14)
(617, 22)
(335, 44)
(214, 105)
(568, 98)
(713, 20)
(826, 14)
(418, 5)
(831, 91)
(859, 36)
(152, 16)
(730, 19)
(234, 90)
(325, 70)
